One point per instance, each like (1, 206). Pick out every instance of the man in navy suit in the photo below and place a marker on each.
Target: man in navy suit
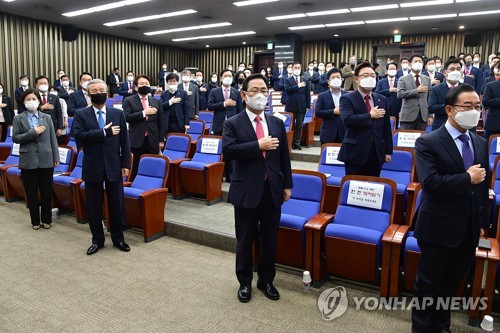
(318, 86)
(204, 90)
(323, 80)
(50, 104)
(452, 166)
(388, 87)
(175, 104)
(474, 73)
(430, 71)
(279, 72)
(281, 87)
(368, 140)
(162, 74)
(491, 101)
(262, 181)
(127, 88)
(24, 82)
(328, 108)
(298, 101)
(80, 99)
(311, 75)
(114, 80)
(102, 132)
(405, 67)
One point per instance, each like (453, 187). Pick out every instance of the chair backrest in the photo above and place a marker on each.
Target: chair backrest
(196, 128)
(110, 102)
(406, 138)
(77, 171)
(393, 123)
(493, 148)
(328, 162)
(177, 146)
(366, 202)
(13, 157)
(208, 149)
(288, 121)
(152, 172)
(417, 199)
(495, 178)
(66, 157)
(309, 115)
(157, 96)
(118, 97)
(8, 138)
(307, 195)
(207, 117)
(401, 169)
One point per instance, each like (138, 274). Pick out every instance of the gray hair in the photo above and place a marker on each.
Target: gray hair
(186, 71)
(96, 81)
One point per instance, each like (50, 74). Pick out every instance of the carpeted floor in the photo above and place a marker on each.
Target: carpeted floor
(49, 284)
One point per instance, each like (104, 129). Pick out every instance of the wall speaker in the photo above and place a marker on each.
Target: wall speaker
(472, 39)
(335, 45)
(69, 33)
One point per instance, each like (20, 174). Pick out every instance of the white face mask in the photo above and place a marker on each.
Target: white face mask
(368, 83)
(431, 68)
(289, 70)
(214, 80)
(335, 83)
(43, 87)
(32, 105)
(328, 69)
(467, 119)
(321, 68)
(65, 84)
(392, 72)
(85, 85)
(1, 91)
(476, 59)
(241, 69)
(438, 65)
(230, 68)
(311, 68)
(417, 66)
(199, 79)
(227, 81)
(53, 93)
(280, 66)
(495, 71)
(172, 87)
(257, 102)
(454, 76)
(263, 73)
(130, 78)
(164, 68)
(404, 66)
(296, 72)
(186, 79)
(24, 83)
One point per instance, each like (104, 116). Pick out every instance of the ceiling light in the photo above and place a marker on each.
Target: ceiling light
(426, 17)
(459, 1)
(329, 12)
(397, 19)
(336, 35)
(425, 3)
(103, 7)
(252, 2)
(304, 27)
(244, 43)
(461, 27)
(8, 0)
(215, 36)
(480, 13)
(207, 45)
(197, 27)
(284, 17)
(370, 8)
(151, 17)
(396, 31)
(341, 24)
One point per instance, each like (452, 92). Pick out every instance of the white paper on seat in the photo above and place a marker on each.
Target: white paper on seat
(365, 194)
(276, 102)
(63, 154)
(118, 106)
(498, 145)
(210, 146)
(278, 109)
(279, 116)
(332, 154)
(407, 139)
(15, 149)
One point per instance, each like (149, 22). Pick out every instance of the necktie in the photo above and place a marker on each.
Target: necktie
(467, 154)
(144, 107)
(100, 120)
(467, 70)
(259, 130)
(44, 99)
(452, 86)
(417, 81)
(297, 79)
(367, 103)
(226, 94)
(391, 84)
(130, 85)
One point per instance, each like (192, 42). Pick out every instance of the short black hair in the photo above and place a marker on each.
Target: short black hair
(142, 76)
(24, 77)
(198, 71)
(171, 76)
(329, 62)
(468, 55)
(85, 73)
(362, 65)
(310, 62)
(453, 94)
(403, 58)
(332, 71)
(30, 91)
(256, 76)
(130, 72)
(296, 63)
(114, 69)
(451, 61)
(242, 63)
(289, 64)
(436, 58)
(54, 88)
(416, 56)
(224, 71)
(41, 77)
(63, 76)
(391, 63)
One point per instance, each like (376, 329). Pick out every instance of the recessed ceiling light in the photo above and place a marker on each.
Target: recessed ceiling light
(396, 31)
(425, 3)
(370, 8)
(480, 13)
(329, 12)
(215, 36)
(207, 45)
(336, 35)
(284, 17)
(244, 43)
(103, 7)
(461, 27)
(252, 2)
(151, 17)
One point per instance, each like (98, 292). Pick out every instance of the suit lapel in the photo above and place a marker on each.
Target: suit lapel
(25, 121)
(246, 124)
(451, 148)
(478, 158)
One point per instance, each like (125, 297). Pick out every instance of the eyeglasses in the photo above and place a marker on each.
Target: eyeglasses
(477, 107)
(256, 91)
(366, 75)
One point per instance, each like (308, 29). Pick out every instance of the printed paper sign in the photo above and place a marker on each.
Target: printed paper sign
(280, 116)
(278, 109)
(276, 102)
(365, 194)
(407, 139)
(118, 106)
(332, 154)
(63, 154)
(15, 149)
(498, 145)
(210, 146)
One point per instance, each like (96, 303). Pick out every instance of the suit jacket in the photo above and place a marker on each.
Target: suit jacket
(322, 84)
(414, 103)
(35, 151)
(8, 111)
(63, 93)
(181, 109)
(124, 88)
(312, 79)
(17, 95)
(491, 101)
(276, 78)
(57, 83)
(112, 79)
(349, 83)
(478, 78)
(449, 201)
(361, 130)
(103, 155)
(281, 87)
(297, 99)
(394, 104)
(161, 77)
(216, 104)
(437, 76)
(203, 96)
(332, 124)
(249, 165)
(194, 99)
(56, 112)
(138, 125)
(76, 101)
(401, 73)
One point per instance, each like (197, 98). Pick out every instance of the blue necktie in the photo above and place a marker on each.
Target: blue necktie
(100, 120)
(467, 154)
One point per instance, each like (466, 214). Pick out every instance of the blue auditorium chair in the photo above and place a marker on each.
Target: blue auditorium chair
(64, 196)
(393, 123)
(308, 128)
(12, 160)
(399, 139)
(208, 118)
(493, 143)
(5, 147)
(177, 150)
(195, 130)
(335, 170)
(110, 102)
(118, 98)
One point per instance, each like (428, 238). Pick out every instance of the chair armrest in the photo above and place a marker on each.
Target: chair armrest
(5, 167)
(390, 233)
(76, 182)
(150, 193)
(412, 186)
(127, 184)
(494, 253)
(400, 234)
(65, 173)
(319, 221)
(214, 165)
(179, 160)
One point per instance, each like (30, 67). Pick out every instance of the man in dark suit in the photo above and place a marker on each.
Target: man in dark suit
(430, 70)
(298, 101)
(474, 73)
(405, 68)
(204, 91)
(328, 108)
(368, 140)
(144, 115)
(491, 101)
(279, 72)
(102, 132)
(281, 86)
(452, 166)
(162, 74)
(388, 87)
(175, 105)
(262, 181)
(66, 87)
(192, 91)
(127, 88)
(80, 99)
(50, 104)
(24, 82)
(311, 75)
(114, 80)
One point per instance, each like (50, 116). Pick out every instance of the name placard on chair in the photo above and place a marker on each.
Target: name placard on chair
(365, 194)
(279, 116)
(210, 146)
(276, 102)
(498, 145)
(278, 109)
(332, 154)
(15, 149)
(118, 106)
(407, 139)
(63, 154)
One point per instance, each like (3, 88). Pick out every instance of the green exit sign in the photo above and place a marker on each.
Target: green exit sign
(397, 38)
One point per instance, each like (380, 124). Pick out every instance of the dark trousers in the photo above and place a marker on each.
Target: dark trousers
(371, 167)
(487, 134)
(417, 124)
(35, 180)
(138, 152)
(114, 90)
(440, 271)
(247, 228)
(173, 127)
(298, 119)
(94, 193)
(4, 131)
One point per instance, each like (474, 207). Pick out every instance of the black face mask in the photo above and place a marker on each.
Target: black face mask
(144, 90)
(99, 98)
(468, 63)
(241, 80)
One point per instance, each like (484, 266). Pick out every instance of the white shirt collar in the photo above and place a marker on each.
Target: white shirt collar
(454, 132)
(252, 116)
(103, 109)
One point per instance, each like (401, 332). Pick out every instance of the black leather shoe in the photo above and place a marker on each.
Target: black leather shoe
(244, 294)
(269, 290)
(299, 147)
(93, 249)
(122, 246)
